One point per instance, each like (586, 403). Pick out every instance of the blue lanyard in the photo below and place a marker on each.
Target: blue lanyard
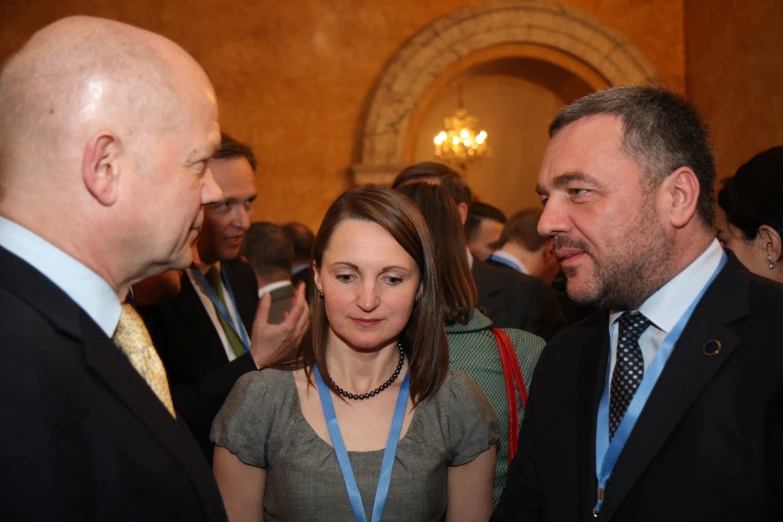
(238, 327)
(606, 452)
(342, 454)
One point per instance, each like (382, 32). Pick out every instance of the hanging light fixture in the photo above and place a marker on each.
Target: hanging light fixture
(461, 142)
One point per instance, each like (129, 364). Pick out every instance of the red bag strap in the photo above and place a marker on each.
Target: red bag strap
(513, 376)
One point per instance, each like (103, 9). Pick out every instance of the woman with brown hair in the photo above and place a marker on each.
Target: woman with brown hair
(367, 420)
(473, 346)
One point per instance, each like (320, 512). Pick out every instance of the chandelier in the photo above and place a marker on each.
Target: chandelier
(461, 143)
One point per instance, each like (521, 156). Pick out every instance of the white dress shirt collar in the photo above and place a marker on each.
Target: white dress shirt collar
(91, 292)
(665, 307)
(511, 259)
(272, 286)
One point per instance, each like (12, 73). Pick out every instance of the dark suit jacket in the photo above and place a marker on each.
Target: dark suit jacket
(515, 300)
(190, 348)
(84, 437)
(708, 445)
(572, 312)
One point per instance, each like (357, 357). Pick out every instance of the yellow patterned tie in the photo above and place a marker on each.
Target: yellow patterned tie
(134, 341)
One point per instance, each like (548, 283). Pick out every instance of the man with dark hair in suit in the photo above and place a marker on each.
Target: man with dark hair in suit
(105, 136)
(521, 248)
(510, 300)
(483, 228)
(667, 404)
(203, 334)
(302, 267)
(270, 252)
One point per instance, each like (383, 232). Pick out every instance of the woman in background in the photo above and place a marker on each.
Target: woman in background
(369, 394)
(751, 214)
(472, 346)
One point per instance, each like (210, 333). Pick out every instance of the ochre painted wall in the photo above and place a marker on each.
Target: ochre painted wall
(294, 77)
(734, 51)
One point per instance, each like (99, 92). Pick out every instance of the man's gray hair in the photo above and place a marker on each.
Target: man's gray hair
(661, 132)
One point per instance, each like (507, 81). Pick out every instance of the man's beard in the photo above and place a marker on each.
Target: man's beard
(624, 280)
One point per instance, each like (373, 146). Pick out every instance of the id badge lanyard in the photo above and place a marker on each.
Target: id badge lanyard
(606, 452)
(237, 326)
(342, 454)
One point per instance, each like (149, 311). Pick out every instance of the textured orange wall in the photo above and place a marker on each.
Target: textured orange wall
(735, 74)
(293, 77)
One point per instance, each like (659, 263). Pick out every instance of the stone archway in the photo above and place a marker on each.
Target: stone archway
(458, 35)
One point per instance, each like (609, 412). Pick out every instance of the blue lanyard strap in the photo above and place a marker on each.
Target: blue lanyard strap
(606, 452)
(237, 326)
(342, 454)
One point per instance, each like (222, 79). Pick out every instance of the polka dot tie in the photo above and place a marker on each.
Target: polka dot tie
(628, 367)
(134, 341)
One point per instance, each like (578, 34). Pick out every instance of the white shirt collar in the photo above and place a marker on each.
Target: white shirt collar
(91, 292)
(272, 286)
(300, 267)
(470, 258)
(665, 307)
(511, 259)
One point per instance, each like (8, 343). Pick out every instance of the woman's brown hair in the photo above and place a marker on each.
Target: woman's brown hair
(456, 282)
(424, 338)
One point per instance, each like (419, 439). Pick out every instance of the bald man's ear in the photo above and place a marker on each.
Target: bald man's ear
(462, 208)
(682, 187)
(100, 167)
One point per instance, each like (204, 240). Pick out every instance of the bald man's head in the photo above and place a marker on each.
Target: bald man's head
(105, 135)
(81, 75)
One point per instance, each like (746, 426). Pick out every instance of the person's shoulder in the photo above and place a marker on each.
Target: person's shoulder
(524, 339)
(515, 282)
(458, 386)
(265, 382)
(765, 290)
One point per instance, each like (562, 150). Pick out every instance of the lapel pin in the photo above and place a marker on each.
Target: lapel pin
(711, 348)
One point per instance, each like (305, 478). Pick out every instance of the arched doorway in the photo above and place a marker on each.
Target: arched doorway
(542, 41)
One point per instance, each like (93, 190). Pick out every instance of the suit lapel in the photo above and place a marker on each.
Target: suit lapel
(111, 367)
(189, 305)
(593, 358)
(687, 372)
(120, 377)
(245, 289)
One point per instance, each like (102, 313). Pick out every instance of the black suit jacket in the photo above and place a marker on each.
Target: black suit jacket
(708, 445)
(515, 300)
(84, 437)
(189, 346)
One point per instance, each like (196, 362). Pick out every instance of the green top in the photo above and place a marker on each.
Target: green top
(474, 351)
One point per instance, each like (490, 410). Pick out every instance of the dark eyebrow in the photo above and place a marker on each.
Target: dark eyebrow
(345, 264)
(385, 269)
(564, 179)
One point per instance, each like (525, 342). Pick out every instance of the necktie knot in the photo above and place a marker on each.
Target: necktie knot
(131, 333)
(213, 278)
(631, 326)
